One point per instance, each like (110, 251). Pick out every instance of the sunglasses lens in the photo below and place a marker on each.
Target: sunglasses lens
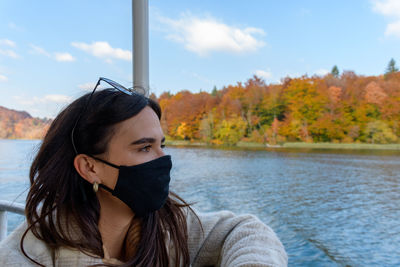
(121, 88)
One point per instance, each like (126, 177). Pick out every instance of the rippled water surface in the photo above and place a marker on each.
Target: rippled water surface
(328, 208)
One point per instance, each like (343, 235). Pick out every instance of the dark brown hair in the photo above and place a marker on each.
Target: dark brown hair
(58, 194)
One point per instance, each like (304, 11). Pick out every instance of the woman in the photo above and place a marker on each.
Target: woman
(100, 196)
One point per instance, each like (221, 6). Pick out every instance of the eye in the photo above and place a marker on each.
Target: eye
(145, 149)
(163, 145)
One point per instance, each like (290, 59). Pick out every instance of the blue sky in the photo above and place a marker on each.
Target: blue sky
(54, 51)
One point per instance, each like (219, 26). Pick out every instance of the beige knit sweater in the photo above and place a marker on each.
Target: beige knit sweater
(226, 240)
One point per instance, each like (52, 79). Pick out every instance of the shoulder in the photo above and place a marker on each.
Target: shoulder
(10, 250)
(223, 222)
(232, 240)
(11, 254)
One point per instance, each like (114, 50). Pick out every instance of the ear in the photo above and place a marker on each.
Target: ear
(88, 168)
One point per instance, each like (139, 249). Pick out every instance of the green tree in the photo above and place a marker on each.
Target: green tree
(231, 131)
(335, 71)
(391, 68)
(270, 108)
(214, 91)
(379, 132)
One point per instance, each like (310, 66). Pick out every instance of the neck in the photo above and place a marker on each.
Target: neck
(114, 222)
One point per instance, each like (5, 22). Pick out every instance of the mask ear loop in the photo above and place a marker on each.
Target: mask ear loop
(106, 162)
(109, 164)
(106, 188)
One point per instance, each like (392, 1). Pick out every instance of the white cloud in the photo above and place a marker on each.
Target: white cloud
(7, 42)
(58, 56)
(391, 9)
(64, 57)
(263, 74)
(3, 78)
(57, 99)
(43, 106)
(204, 35)
(89, 86)
(293, 75)
(38, 50)
(8, 53)
(393, 29)
(321, 72)
(104, 50)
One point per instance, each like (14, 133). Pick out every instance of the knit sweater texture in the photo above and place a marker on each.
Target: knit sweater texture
(225, 239)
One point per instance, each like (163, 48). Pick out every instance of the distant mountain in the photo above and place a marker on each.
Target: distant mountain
(21, 125)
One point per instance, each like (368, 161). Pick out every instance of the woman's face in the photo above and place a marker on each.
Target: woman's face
(134, 141)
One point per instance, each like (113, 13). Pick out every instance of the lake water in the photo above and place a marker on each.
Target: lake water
(329, 208)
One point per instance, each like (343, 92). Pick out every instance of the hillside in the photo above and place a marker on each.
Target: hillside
(21, 125)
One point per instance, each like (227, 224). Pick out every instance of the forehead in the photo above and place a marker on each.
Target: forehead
(144, 124)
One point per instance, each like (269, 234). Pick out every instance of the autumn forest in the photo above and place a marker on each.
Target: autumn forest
(344, 108)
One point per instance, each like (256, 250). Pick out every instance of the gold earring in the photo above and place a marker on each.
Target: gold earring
(95, 187)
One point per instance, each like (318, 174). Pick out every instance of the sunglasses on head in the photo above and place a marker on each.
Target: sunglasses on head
(115, 85)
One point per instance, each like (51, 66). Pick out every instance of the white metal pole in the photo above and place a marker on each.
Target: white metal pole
(3, 224)
(140, 44)
(7, 206)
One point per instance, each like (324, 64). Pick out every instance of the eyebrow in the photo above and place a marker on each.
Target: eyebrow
(146, 140)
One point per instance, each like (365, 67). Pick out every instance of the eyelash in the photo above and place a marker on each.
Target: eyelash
(145, 148)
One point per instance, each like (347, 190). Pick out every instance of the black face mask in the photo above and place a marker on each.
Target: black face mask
(143, 187)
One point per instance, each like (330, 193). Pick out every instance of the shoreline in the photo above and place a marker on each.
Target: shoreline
(291, 145)
(258, 146)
